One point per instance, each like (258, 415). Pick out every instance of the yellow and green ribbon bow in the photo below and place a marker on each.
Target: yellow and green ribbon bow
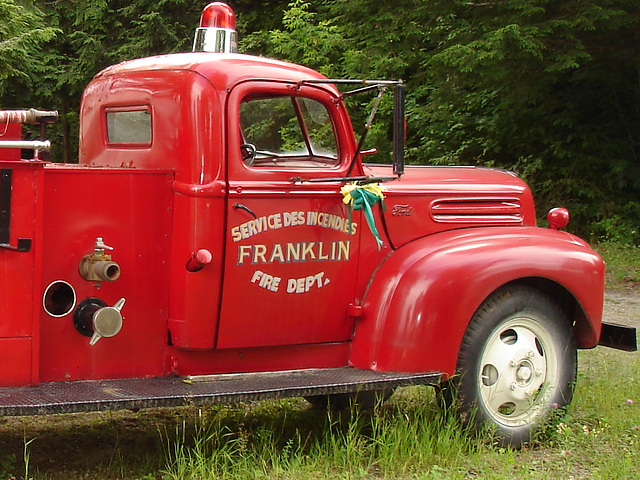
(363, 197)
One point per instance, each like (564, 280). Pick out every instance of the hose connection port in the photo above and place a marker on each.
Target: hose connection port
(93, 318)
(59, 299)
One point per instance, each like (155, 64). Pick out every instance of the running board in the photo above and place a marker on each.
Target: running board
(135, 393)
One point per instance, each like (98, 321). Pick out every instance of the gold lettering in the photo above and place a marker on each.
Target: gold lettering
(307, 250)
(322, 255)
(312, 218)
(276, 254)
(343, 252)
(243, 251)
(293, 252)
(259, 252)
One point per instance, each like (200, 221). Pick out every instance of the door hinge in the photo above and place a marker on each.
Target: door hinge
(354, 310)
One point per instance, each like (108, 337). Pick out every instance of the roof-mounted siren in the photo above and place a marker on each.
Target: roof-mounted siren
(217, 31)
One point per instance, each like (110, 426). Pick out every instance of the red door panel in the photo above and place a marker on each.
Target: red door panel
(289, 272)
(291, 248)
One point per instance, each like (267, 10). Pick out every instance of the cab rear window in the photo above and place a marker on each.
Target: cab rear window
(129, 127)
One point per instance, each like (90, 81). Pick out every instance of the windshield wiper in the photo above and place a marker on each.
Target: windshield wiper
(360, 180)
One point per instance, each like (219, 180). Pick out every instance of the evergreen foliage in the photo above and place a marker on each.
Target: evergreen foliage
(22, 33)
(551, 90)
(547, 88)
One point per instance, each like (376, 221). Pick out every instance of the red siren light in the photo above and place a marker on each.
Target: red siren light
(218, 14)
(217, 31)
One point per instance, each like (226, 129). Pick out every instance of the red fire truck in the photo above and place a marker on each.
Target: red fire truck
(221, 239)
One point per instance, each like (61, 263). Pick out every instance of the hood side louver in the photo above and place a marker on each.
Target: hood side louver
(482, 211)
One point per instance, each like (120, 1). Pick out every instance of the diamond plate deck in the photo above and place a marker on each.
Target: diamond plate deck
(94, 395)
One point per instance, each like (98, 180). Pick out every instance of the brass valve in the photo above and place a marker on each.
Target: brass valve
(98, 266)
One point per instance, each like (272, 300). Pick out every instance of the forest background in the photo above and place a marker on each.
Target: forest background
(549, 89)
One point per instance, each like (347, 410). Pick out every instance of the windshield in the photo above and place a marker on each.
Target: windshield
(287, 131)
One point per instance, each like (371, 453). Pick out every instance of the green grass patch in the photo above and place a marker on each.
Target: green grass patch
(411, 438)
(623, 264)
(287, 439)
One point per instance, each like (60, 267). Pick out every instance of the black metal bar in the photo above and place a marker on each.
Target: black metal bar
(347, 81)
(6, 183)
(619, 337)
(367, 127)
(5, 204)
(398, 129)
(360, 180)
(357, 91)
(335, 179)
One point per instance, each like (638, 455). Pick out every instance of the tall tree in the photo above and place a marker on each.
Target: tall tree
(549, 88)
(22, 33)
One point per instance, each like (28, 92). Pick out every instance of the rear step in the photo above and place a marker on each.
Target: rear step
(134, 393)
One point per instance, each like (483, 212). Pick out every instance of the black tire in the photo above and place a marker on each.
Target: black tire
(517, 364)
(364, 400)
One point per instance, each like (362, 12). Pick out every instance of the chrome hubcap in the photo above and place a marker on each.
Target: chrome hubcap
(518, 371)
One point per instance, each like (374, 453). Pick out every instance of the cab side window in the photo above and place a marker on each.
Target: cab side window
(286, 131)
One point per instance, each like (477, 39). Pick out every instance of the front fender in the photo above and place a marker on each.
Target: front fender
(422, 297)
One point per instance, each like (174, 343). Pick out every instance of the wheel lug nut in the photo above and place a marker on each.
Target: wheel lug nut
(539, 372)
(513, 363)
(513, 386)
(530, 354)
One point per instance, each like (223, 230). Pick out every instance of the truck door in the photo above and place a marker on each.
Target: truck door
(291, 246)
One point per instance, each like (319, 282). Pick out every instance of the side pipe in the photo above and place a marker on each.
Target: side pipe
(37, 145)
(31, 116)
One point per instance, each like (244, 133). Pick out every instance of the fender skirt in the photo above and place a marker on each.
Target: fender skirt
(419, 302)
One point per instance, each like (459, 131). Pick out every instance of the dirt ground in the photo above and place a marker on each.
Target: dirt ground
(117, 444)
(622, 306)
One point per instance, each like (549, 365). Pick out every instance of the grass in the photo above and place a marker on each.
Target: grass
(289, 440)
(408, 437)
(623, 264)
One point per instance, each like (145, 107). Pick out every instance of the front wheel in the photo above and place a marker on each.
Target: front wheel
(517, 362)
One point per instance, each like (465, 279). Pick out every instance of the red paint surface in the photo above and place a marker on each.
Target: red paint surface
(422, 297)
(451, 237)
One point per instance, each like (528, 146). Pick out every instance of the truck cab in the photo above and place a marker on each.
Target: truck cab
(221, 239)
(284, 252)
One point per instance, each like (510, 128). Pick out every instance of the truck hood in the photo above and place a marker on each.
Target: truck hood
(432, 199)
